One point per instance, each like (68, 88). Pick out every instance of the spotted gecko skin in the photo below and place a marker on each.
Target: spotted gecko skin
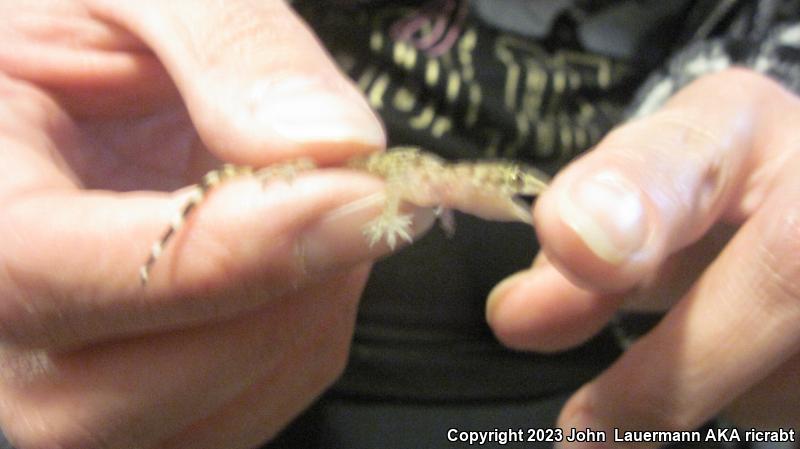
(488, 189)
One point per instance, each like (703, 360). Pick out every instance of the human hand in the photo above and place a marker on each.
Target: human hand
(695, 206)
(249, 313)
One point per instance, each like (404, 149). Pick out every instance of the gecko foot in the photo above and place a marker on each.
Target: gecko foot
(390, 225)
(447, 220)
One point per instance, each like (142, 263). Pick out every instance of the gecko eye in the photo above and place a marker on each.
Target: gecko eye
(516, 180)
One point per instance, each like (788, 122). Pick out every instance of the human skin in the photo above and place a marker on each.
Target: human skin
(249, 316)
(105, 106)
(692, 209)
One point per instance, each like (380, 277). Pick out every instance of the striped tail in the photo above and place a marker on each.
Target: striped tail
(199, 193)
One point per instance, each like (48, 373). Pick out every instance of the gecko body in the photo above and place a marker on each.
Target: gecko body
(487, 189)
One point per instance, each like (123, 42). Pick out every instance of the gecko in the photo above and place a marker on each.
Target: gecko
(488, 189)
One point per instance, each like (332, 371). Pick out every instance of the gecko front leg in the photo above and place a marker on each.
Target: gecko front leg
(409, 174)
(486, 189)
(390, 224)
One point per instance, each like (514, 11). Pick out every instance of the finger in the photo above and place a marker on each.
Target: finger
(736, 325)
(540, 310)
(772, 403)
(93, 67)
(157, 386)
(258, 85)
(68, 258)
(543, 310)
(655, 185)
(261, 411)
(676, 275)
(72, 275)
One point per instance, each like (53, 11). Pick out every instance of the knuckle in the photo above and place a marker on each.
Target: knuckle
(668, 415)
(31, 430)
(649, 400)
(31, 322)
(689, 185)
(649, 145)
(21, 321)
(29, 308)
(675, 416)
(778, 255)
(657, 409)
(739, 81)
(27, 421)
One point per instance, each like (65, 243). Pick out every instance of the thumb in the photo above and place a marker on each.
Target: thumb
(656, 185)
(257, 83)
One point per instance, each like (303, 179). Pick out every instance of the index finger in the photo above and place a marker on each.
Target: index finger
(656, 185)
(649, 190)
(70, 258)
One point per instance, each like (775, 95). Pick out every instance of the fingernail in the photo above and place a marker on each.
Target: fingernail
(307, 110)
(607, 213)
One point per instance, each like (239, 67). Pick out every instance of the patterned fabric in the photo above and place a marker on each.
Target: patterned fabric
(614, 28)
(491, 94)
(776, 55)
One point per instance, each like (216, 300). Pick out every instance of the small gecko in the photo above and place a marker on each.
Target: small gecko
(489, 189)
